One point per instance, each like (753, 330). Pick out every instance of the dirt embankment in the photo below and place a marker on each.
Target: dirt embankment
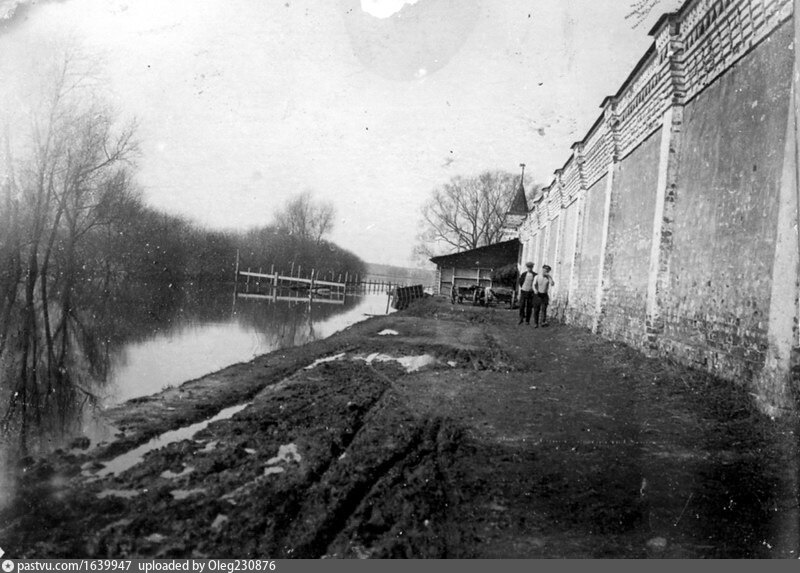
(484, 440)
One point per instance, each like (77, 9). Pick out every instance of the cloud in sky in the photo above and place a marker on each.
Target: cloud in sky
(8, 8)
(12, 12)
(384, 8)
(418, 41)
(322, 95)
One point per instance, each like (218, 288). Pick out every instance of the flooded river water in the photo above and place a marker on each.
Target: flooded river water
(218, 330)
(152, 339)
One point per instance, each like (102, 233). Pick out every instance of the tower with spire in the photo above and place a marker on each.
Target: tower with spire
(518, 211)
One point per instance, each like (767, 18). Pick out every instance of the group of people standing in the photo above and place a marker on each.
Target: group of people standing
(534, 295)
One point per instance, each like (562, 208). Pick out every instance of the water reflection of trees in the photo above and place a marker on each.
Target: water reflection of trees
(285, 323)
(88, 338)
(85, 266)
(65, 178)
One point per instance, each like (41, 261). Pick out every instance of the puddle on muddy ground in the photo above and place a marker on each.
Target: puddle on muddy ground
(209, 447)
(410, 363)
(180, 494)
(123, 493)
(325, 359)
(169, 474)
(219, 521)
(131, 458)
(286, 453)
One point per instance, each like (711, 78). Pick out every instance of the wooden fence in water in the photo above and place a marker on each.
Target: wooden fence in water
(318, 287)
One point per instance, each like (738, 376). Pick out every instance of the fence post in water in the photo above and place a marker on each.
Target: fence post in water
(236, 273)
(311, 285)
(235, 282)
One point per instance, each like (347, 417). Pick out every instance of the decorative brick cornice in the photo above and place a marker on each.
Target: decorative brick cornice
(691, 47)
(558, 182)
(609, 106)
(669, 44)
(580, 159)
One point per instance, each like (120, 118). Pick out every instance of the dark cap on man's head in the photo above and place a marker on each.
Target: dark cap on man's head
(529, 265)
(547, 267)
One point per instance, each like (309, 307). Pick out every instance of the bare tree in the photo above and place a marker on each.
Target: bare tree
(466, 213)
(66, 166)
(305, 218)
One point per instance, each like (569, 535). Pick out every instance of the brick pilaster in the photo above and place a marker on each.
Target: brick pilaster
(551, 194)
(558, 182)
(778, 385)
(604, 268)
(663, 223)
(774, 384)
(577, 155)
(666, 188)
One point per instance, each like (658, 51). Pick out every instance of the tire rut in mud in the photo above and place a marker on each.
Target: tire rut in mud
(388, 498)
(369, 478)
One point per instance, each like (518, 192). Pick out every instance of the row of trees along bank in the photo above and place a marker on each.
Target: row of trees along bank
(74, 231)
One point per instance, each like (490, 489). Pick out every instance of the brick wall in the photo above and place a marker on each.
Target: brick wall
(582, 305)
(662, 225)
(540, 246)
(562, 269)
(629, 238)
(550, 256)
(725, 213)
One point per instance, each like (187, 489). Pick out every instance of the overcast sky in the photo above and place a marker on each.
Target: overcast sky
(369, 103)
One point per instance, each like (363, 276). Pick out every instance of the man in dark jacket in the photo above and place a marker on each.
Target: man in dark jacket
(526, 294)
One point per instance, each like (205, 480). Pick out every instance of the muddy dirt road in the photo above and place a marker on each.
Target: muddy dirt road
(439, 431)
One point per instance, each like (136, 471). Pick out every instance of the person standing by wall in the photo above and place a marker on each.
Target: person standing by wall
(541, 296)
(526, 294)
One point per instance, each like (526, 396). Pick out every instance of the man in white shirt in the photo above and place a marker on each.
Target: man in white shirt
(541, 296)
(526, 294)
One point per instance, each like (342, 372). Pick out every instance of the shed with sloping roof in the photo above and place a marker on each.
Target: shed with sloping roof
(474, 267)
